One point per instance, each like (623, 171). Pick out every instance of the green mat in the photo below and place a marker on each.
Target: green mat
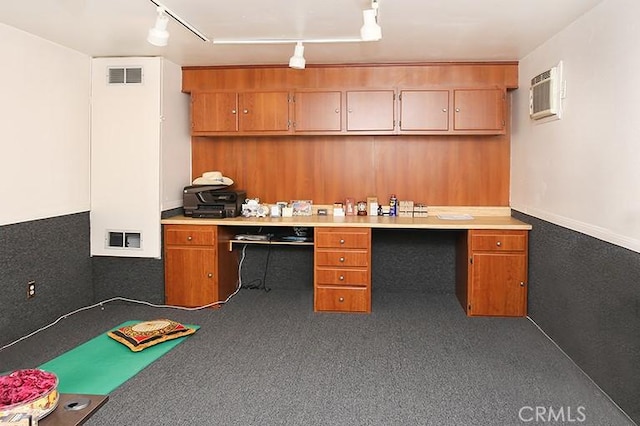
(99, 366)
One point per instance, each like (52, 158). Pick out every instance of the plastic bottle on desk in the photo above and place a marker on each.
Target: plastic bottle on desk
(393, 205)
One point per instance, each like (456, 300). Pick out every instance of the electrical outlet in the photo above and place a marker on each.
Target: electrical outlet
(31, 289)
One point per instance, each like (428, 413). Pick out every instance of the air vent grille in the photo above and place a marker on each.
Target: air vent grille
(124, 75)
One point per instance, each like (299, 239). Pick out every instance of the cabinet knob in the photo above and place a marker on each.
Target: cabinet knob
(341, 277)
(444, 110)
(337, 111)
(350, 110)
(522, 284)
(209, 275)
(189, 238)
(245, 111)
(457, 109)
(341, 241)
(233, 111)
(342, 259)
(340, 299)
(498, 243)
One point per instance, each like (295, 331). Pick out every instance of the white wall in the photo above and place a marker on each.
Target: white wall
(583, 171)
(176, 137)
(44, 128)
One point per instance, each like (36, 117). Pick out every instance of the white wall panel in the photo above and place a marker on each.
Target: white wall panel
(583, 171)
(44, 128)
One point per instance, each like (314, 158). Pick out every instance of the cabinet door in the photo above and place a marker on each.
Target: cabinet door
(214, 112)
(318, 111)
(424, 110)
(479, 109)
(264, 112)
(190, 275)
(498, 284)
(370, 110)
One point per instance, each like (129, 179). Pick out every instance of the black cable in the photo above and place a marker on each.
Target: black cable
(261, 282)
(266, 267)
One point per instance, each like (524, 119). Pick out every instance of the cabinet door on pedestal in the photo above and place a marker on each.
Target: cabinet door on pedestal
(319, 111)
(479, 110)
(371, 111)
(264, 112)
(424, 110)
(214, 112)
(498, 284)
(190, 276)
(492, 272)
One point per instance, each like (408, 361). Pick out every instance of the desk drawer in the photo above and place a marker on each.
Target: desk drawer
(498, 240)
(342, 299)
(190, 235)
(343, 238)
(342, 257)
(342, 277)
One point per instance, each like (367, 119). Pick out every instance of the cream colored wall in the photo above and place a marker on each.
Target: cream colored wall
(44, 128)
(583, 171)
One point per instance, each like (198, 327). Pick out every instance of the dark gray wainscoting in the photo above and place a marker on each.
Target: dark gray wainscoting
(129, 277)
(585, 294)
(54, 252)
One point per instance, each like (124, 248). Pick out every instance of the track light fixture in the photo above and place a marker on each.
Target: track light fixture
(158, 35)
(297, 61)
(371, 30)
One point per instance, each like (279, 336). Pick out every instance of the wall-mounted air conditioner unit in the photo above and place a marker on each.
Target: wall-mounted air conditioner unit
(545, 93)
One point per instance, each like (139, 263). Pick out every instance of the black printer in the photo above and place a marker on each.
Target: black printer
(214, 201)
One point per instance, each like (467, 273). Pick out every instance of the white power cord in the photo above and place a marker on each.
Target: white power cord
(142, 302)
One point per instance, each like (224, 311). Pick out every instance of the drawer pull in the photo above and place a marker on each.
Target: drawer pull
(189, 238)
(340, 299)
(498, 243)
(341, 241)
(341, 259)
(341, 277)
(210, 275)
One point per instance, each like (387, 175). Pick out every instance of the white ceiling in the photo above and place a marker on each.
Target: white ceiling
(413, 30)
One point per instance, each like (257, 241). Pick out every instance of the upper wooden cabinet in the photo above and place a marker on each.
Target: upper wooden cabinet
(371, 111)
(424, 110)
(459, 111)
(317, 111)
(479, 110)
(219, 113)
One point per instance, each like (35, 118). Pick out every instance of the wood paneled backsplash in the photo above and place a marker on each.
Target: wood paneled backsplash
(471, 170)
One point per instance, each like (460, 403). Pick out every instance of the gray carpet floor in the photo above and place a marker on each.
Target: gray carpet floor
(267, 359)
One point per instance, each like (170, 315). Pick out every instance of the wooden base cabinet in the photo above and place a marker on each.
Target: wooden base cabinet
(198, 270)
(342, 270)
(492, 273)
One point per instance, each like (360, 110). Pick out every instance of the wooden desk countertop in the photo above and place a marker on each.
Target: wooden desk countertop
(483, 218)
